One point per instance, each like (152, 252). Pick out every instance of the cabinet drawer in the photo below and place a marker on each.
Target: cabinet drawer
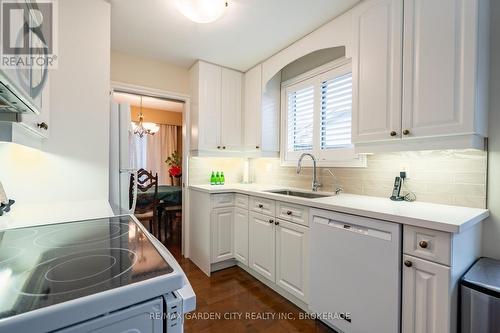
(293, 213)
(263, 206)
(241, 201)
(222, 200)
(427, 244)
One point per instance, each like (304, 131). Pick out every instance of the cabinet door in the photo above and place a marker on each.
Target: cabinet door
(426, 296)
(231, 135)
(292, 243)
(209, 106)
(261, 245)
(241, 235)
(439, 67)
(40, 123)
(376, 69)
(252, 108)
(222, 234)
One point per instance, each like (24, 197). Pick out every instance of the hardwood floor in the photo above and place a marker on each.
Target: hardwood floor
(232, 300)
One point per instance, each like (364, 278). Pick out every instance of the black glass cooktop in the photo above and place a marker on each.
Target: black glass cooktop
(50, 264)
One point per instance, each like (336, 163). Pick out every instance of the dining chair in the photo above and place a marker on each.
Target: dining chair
(146, 208)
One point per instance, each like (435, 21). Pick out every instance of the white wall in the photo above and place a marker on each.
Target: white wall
(491, 229)
(149, 73)
(73, 163)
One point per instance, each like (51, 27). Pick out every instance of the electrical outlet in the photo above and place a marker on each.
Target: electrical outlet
(405, 167)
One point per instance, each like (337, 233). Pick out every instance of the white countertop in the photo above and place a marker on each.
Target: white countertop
(28, 214)
(452, 219)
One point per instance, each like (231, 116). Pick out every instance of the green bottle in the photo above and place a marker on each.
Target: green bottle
(212, 179)
(222, 178)
(217, 178)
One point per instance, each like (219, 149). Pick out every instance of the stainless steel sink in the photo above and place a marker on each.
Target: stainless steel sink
(308, 195)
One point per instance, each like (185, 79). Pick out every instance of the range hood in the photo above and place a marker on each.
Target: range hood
(13, 100)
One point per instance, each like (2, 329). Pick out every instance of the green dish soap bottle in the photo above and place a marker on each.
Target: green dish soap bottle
(212, 178)
(222, 178)
(217, 178)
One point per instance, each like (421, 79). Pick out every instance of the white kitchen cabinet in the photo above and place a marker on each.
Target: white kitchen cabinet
(420, 75)
(206, 83)
(441, 49)
(376, 70)
(261, 245)
(425, 296)
(216, 103)
(292, 251)
(230, 136)
(222, 234)
(261, 109)
(433, 264)
(252, 108)
(241, 235)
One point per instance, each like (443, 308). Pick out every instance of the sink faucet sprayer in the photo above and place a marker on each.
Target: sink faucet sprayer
(315, 183)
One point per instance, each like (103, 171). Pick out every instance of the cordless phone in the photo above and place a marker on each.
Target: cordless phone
(398, 182)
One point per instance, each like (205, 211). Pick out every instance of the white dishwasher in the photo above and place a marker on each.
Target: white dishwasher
(355, 272)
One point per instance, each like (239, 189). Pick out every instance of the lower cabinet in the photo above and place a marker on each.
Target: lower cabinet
(292, 248)
(262, 245)
(241, 235)
(426, 289)
(222, 234)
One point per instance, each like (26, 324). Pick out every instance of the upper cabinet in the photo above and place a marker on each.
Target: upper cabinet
(215, 108)
(253, 108)
(261, 113)
(420, 74)
(376, 70)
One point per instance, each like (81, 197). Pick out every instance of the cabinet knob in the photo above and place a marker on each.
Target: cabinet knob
(223, 147)
(289, 212)
(271, 221)
(276, 223)
(43, 126)
(423, 244)
(261, 206)
(408, 263)
(257, 147)
(406, 132)
(218, 147)
(394, 133)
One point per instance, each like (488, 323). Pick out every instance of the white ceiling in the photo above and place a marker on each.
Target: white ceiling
(148, 102)
(249, 32)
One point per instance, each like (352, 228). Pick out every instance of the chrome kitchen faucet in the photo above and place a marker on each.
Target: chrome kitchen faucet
(315, 183)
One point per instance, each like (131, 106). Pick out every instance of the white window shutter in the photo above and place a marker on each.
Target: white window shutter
(301, 119)
(336, 112)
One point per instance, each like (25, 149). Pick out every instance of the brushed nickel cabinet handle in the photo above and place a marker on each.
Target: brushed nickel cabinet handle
(423, 244)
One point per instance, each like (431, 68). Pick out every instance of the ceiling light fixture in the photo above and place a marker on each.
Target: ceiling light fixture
(143, 128)
(202, 11)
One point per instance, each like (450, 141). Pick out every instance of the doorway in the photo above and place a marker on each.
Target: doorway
(157, 144)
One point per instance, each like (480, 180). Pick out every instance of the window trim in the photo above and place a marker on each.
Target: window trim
(343, 157)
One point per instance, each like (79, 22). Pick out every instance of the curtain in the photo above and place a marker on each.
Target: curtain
(159, 147)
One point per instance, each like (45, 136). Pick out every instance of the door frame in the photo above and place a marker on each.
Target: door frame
(186, 126)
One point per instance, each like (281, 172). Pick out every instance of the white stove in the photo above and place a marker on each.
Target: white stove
(78, 276)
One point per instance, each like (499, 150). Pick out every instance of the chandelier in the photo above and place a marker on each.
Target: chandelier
(143, 128)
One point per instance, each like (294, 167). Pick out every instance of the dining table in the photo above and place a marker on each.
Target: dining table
(167, 195)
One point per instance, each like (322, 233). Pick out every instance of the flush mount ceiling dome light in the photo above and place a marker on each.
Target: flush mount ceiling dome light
(202, 11)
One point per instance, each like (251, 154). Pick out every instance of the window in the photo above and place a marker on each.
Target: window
(318, 116)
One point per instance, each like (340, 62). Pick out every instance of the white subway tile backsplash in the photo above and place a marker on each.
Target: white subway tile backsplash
(453, 177)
